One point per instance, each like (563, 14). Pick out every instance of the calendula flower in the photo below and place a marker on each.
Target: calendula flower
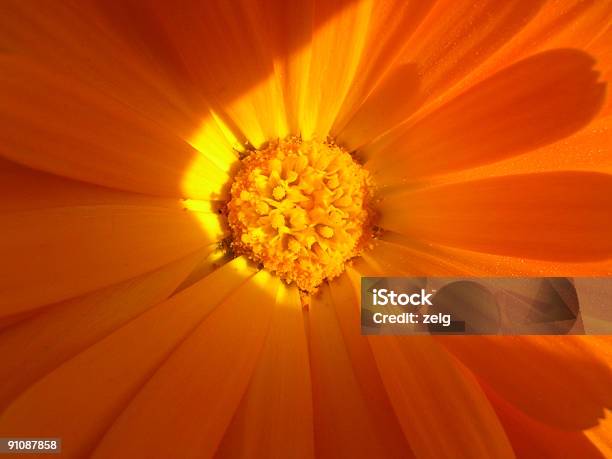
(191, 191)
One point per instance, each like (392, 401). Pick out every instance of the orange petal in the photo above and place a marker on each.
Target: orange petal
(275, 415)
(530, 438)
(208, 264)
(290, 49)
(53, 254)
(434, 402)
(376, 79)
(397, 255)
(60, 125)
(344, 294)
(449, 43)
(601, 435)
(602, 347)
(190, 400)
(81, 398)
(25, 189)
(433, 399)
(601, 344)
(552, 216)
(318, 77)
(79, 322)
(599, 48)
(6, 322)
(116, 47)
(590, 149)
(396, 259)
(38, 195)
(341, 410)
(562, 381)
(532, 28)
(225, 48)
(512, 112)
(575, 24)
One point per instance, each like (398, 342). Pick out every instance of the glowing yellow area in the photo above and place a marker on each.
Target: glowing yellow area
(301, 209)
(216, 154)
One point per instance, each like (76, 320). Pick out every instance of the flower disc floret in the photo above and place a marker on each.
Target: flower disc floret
(301, 209)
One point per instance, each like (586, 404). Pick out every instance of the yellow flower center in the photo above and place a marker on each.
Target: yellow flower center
(301, 209)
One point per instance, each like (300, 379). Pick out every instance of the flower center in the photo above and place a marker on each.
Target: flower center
(301, 209)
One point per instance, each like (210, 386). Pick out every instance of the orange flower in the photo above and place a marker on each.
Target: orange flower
(127, 327)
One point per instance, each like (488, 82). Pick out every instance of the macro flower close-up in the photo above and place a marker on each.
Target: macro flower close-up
(191, 192)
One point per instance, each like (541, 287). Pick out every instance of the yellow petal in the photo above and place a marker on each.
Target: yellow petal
(190, 400)
(215, 141)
